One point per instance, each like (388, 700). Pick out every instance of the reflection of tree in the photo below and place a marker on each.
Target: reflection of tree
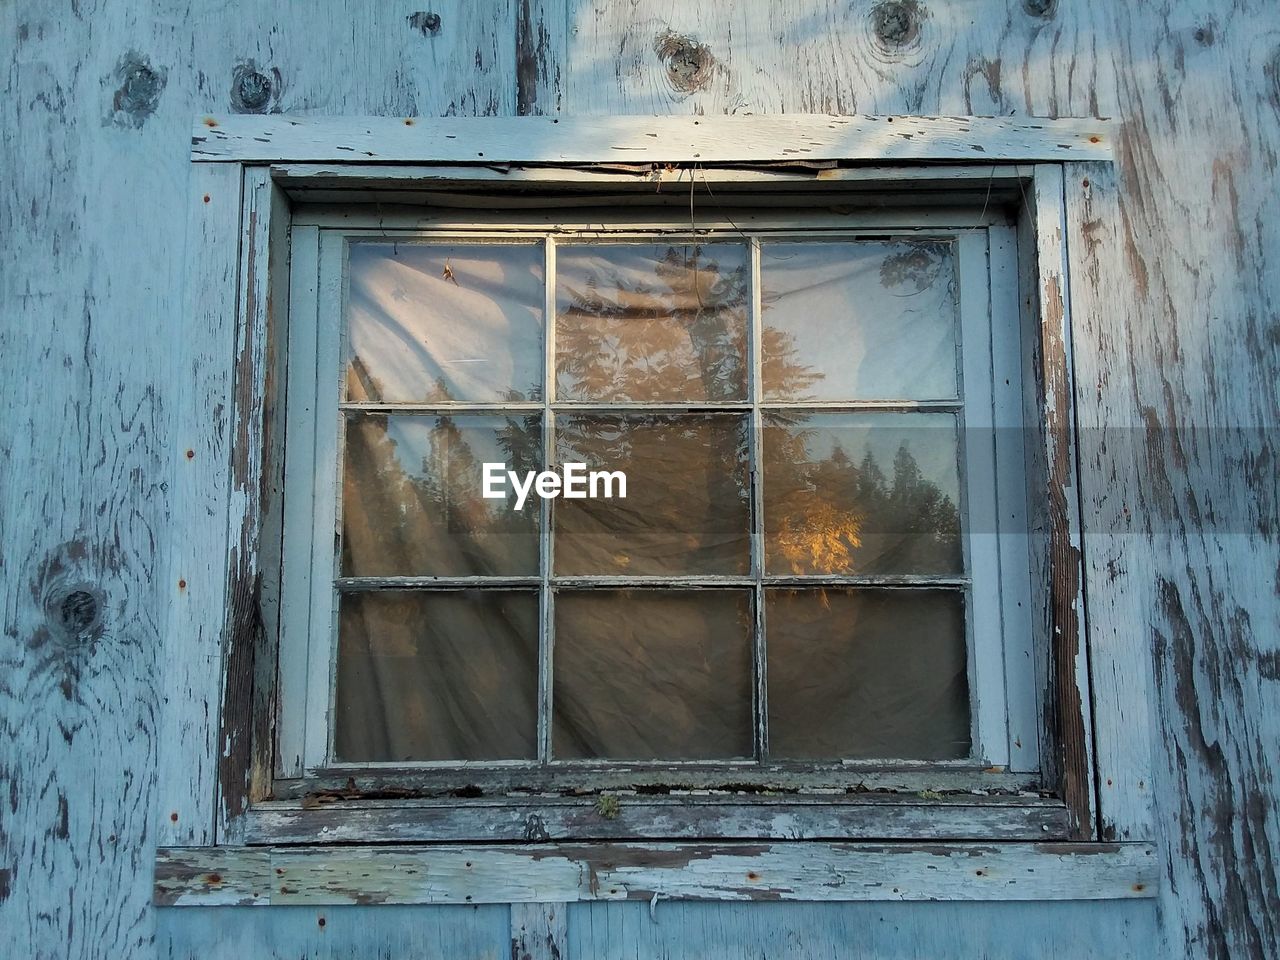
(434, 520)
(915, 266)
(833, 516)
(417, 677)
(673, 329)
(675, 332)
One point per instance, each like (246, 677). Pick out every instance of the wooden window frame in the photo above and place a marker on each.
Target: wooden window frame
(218, 754)
(1000, 642)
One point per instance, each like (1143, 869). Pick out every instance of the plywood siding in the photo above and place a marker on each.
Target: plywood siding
(1177, 367)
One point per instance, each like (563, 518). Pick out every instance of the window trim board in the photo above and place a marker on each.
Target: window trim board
(641, 140)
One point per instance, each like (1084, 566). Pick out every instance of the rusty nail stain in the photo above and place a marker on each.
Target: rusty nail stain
(1139, 887)
(213, 878)
(320, 922)
(182, 584)
(174, 816)
(1095, 139)
(408, 121)
(1108, 781)
(210, 122)
(1084, 183)
(206, 198)
(752, 875)
(191, 454)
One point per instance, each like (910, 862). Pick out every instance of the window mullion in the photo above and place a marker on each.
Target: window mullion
(546, 600)
(757, 513)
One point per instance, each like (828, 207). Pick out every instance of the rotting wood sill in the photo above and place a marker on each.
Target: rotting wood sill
(565, 873)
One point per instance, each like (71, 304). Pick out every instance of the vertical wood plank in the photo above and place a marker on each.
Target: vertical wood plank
(1012, 438)
(978, 456)
(1072, 703)
(205, 343)
(248, 657)
(539, 931)
(299, 510)
(1199, 267)
(1116, 556)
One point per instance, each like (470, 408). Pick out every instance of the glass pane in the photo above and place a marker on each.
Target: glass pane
(858, 321)
(412, 502)
(652, 675)
(652, 321)
(867, 674)
(861, 493)
(687, 509)
(437, 676)
(428, 322)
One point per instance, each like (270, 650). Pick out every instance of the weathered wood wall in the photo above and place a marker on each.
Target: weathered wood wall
(1177, 355)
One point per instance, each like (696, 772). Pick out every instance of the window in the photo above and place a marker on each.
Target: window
(376, 305)
(821, 569)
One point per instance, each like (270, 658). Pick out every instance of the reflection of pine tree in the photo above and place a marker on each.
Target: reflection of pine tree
(812, 514)
(675, 330)
(780, 372)
(831, 516)
(434, 519)
(677, 333)
(399, 521)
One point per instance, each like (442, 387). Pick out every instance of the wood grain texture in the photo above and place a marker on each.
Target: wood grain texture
(95, 151)
(1200, 269)
(351, 933)
(1071, 716)
(1119, 654)
(1115, 930)
(539, 930)
(203, 359)
(562, 873)
(986, 58)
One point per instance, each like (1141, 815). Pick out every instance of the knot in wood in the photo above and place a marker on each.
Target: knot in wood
(253, 90)
(140, 86)
(1040, 8)
(79, 613)
(896, 22)
(688, 62)
(425, 22)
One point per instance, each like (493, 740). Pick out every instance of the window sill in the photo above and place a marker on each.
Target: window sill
(536, 819)
(556, 873)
